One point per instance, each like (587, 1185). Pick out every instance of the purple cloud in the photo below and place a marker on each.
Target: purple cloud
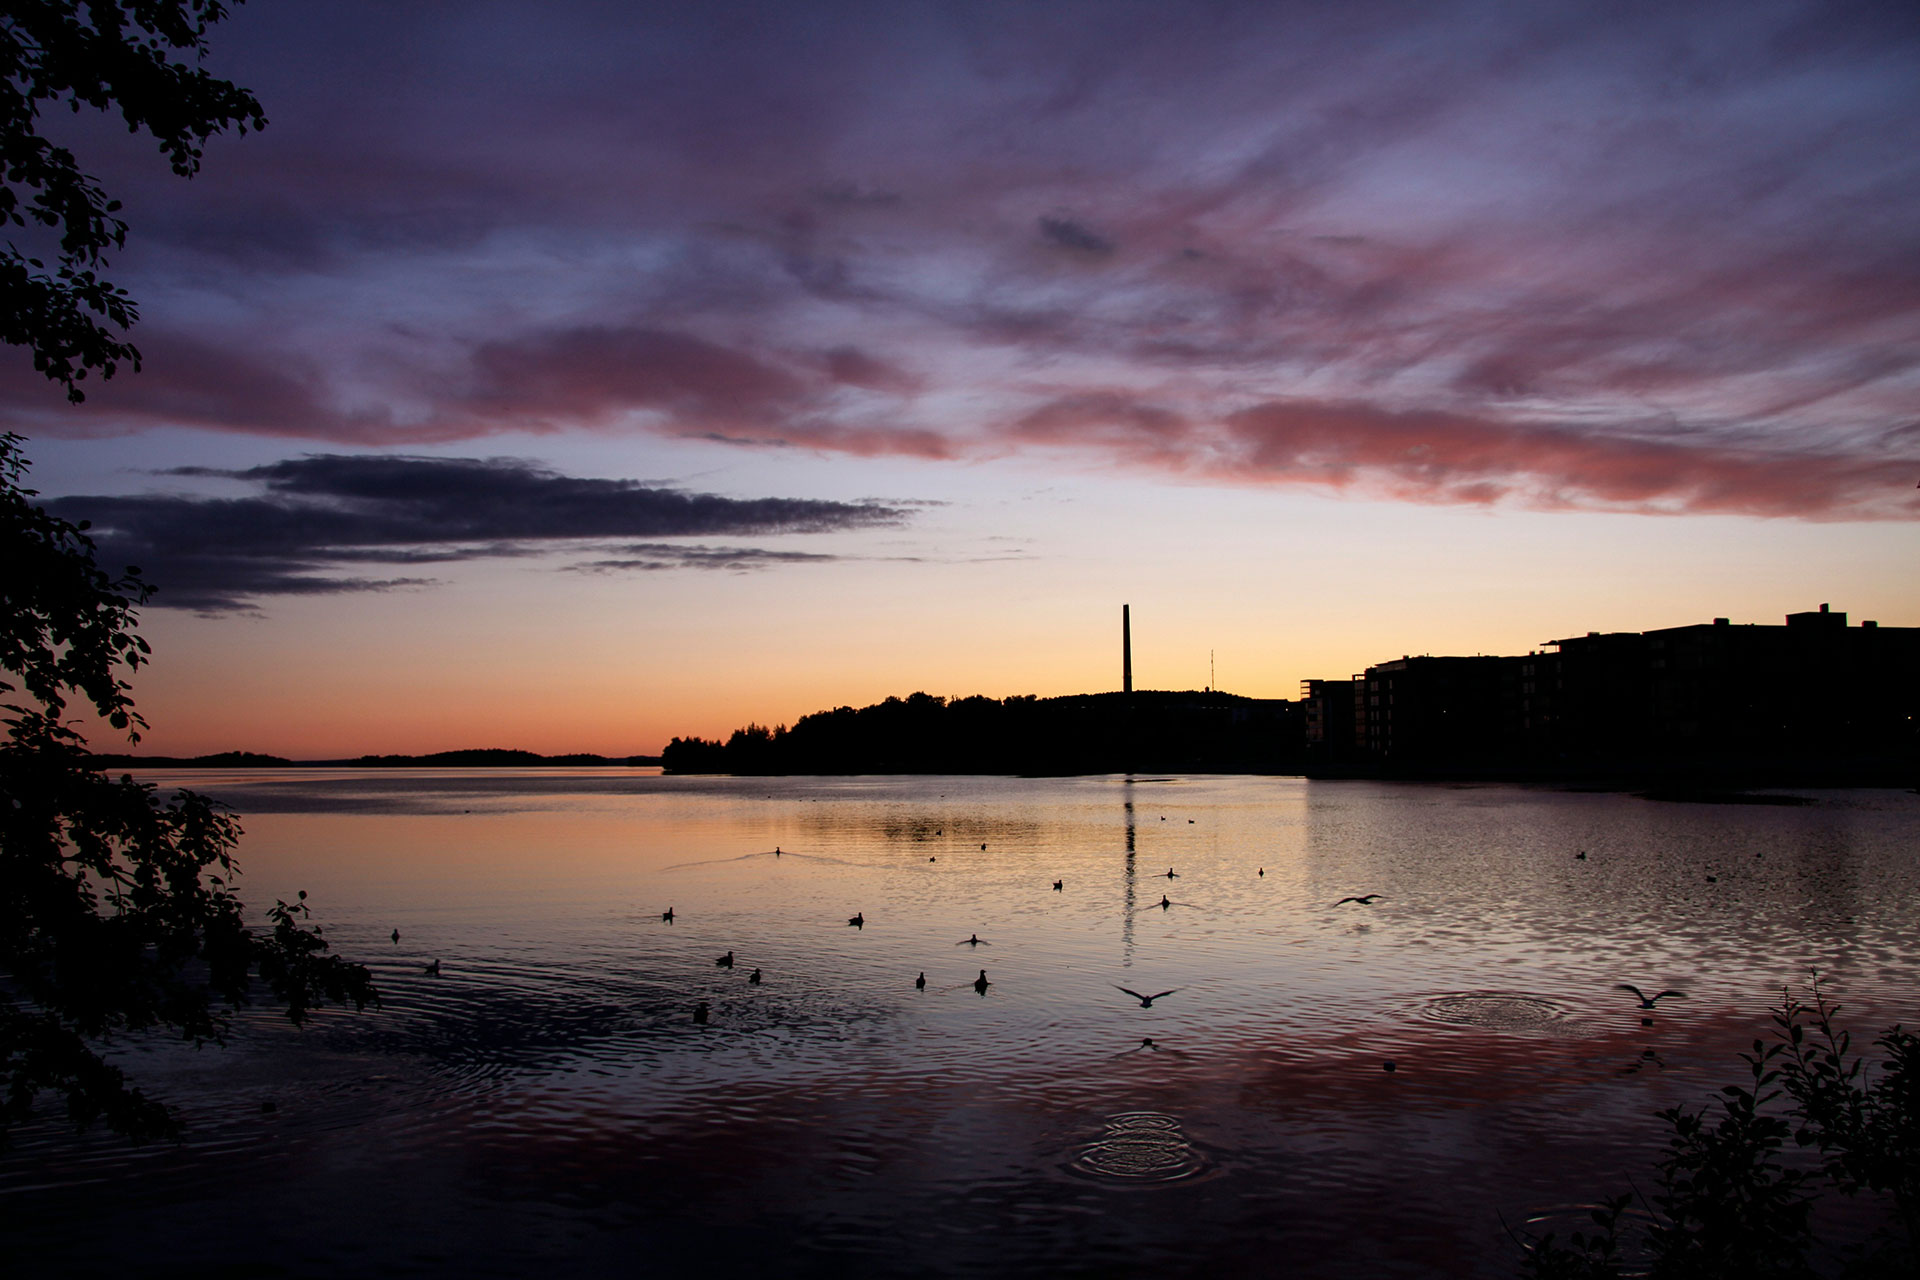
(1459, 252)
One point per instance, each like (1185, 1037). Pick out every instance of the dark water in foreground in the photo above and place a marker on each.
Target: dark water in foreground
(546, 1104)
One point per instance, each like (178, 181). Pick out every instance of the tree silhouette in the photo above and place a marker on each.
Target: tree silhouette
(141, 57)
(117, 909)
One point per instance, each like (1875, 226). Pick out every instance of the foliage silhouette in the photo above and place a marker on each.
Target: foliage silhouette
(1086, 733)
(101, 54)
(117, 909)
(1728, 1199)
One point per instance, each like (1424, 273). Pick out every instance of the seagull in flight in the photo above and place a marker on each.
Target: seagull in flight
(1365, 900)
(1647, 1001)
(1146, 1002)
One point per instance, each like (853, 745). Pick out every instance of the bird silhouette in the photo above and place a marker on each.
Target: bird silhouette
(434, 968)
(973, 941)
(1365, 900)
(700, 1013)
(776, 851)
(1164, 903)
(1647, 1001)
(1263, 871)
(933, 859)
(920, 983)
(667, 915)
(1580, 856)
(725, 961)
(1058, 885)
(858, 920)
(980, 983)
(983, 845)
(754, 977)
(396, 937)
(1170, 874)
(1146, 1002)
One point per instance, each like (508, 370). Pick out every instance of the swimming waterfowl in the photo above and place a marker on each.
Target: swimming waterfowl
(396, 936)
(1146, 1002)
(667, 915)
(920, 983)
(858, 920)
(433, 968)
(1164, 904)
(980, 983)
(973, 941)
(1170, 874)
(1647, 1001)
(1365, 899)
(1058, 885)
(700, 1013)
(754, 977)
(725, 961)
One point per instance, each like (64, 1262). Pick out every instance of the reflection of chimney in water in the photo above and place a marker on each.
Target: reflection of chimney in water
(1126, 649)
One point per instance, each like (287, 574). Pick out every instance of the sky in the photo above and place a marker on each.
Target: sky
(572, 376)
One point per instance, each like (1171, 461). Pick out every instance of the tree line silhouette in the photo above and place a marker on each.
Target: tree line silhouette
(1080, 733)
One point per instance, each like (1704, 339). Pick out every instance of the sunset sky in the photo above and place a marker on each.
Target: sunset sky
(570, 376)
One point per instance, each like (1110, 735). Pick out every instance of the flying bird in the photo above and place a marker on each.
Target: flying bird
(1647, 1001)
(1146, 1002)
(1365, 900)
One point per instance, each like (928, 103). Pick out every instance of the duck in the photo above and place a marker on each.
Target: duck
(1058, 885)
(666, 917)
(725, 961)
(980, 983)
(396, 937)
(1163, 904)
(700, 1013)
(920, 983)
(754, 977)
(1146, 1002)
(858, 920)
(1647, 1001)
(1171, 875)
(973, 941)
(433, 968)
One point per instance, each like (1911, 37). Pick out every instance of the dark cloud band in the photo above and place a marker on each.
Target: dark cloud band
(323, 513)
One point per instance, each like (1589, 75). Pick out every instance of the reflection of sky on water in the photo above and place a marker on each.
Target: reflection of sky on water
(549, 1094)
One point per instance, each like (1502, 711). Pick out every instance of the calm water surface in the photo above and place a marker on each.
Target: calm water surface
(547, 1104)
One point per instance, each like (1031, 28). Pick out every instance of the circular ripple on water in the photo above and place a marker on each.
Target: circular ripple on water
(1140, 1147)
(1498, 1011)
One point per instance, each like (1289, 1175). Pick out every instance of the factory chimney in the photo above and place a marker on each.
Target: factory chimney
(1126, 649)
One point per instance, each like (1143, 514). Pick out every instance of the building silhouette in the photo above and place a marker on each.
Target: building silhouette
(1810, 700)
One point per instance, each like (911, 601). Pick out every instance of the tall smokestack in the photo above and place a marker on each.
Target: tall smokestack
(1126, 649)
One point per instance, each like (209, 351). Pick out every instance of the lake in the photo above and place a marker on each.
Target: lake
(546, 1103)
